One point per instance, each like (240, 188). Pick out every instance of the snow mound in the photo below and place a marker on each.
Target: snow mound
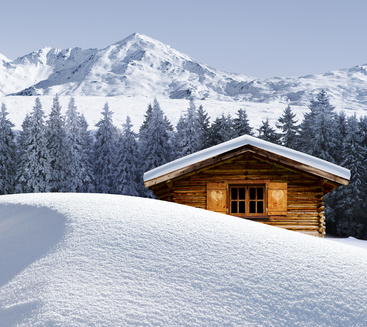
(116, 260)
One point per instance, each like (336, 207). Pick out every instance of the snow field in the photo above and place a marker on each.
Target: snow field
(136, 107)
(118, 260)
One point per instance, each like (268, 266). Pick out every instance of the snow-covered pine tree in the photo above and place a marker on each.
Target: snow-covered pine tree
(177, 136)
(127, 174)
(341, 132)
(347, 207)
(363, 130)
(58, 150)
(268, 133)
(79, 175)
(88, 147)
(22, 147)
(203, 125)
(34, 168)
(241, 124)
(187, 138)
(318, 129)
(154, 142)
(147, 117)
(105, 153)
(287, 123)
(8, 159)
(221, 130)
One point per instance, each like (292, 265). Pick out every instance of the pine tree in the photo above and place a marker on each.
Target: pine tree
(148, 115)
(87, 143)
(105, 153)
(154, 142)
(203, 128)
(318, 129)
(79, 175)
(34, 168)
(127, 166)
(341, 132)
(241, 125)
(7, 154)
(88, 153)
(347, 207)
(22, 156)
(289, 129)
(363, 130)
(267, 133)
(178, 135)
(187, 138)
(57, 147)
(221, 130)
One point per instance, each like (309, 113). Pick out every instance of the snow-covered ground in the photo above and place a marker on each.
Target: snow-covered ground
(136, 107)
(110, 260)
(349, 241)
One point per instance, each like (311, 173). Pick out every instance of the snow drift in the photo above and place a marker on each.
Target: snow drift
(105, 260)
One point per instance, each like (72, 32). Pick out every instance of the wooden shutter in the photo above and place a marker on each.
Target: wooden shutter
(216, 197)
(277, 199)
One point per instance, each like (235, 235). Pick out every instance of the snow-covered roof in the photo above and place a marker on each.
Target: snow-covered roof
(200, 156)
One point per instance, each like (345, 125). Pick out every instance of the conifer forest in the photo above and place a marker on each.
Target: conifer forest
(59, 153)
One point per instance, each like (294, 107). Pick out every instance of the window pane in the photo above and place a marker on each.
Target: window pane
(242, 193)
(233, 206)
(241, 207)
(247, 199)
(252, 206)
(260, 207)
(233, 193)
(260, 193)
(252, 193)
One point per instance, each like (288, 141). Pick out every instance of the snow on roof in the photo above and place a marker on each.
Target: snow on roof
(113, 260)
(244, 140)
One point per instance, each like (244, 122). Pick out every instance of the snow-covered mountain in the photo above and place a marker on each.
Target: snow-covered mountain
(136, 66)
(142, 66)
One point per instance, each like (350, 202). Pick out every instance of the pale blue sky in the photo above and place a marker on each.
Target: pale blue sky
(259, 38)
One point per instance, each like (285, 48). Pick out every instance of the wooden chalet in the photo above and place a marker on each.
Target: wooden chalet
(253, 179)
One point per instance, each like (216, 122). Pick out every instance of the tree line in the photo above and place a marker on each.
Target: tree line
(59, 153)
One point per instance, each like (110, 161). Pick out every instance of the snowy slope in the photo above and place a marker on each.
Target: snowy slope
(122, 261)
(141, 66)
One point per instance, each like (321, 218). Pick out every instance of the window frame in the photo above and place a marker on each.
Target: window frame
(247, 185)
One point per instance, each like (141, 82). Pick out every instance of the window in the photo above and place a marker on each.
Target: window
(254, 199)
(247, 200)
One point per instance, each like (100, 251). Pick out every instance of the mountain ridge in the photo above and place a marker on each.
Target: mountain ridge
(139, 65)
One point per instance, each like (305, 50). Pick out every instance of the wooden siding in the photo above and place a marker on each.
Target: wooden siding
(305, 210)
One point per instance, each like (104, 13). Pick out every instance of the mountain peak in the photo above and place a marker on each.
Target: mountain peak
(3, 58)
(141, 40)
